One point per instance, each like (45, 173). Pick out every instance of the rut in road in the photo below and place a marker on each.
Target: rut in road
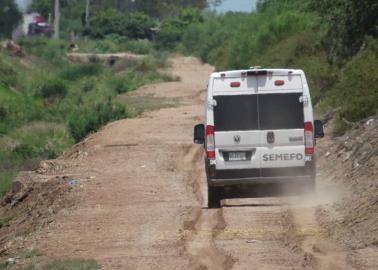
(144, 207)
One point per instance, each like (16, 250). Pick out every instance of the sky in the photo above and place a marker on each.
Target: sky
(237, 5)
(23, 4)
(227, 5)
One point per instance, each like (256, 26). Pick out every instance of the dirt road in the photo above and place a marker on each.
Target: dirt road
(144, 203)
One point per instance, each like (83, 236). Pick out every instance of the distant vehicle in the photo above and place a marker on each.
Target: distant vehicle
(33, 24)
(37, 26)
(259, 130)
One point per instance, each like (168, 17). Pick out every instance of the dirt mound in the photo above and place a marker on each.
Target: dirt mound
(30, 205)
(352, 162)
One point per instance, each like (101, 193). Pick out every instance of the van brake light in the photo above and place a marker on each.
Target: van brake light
(210, 142)
(279, 82)
(309, 138)
(235, 84)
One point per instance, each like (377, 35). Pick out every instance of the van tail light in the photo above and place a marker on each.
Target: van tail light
(279, 82)
(210, 142)
(235, 84)
(309, 138)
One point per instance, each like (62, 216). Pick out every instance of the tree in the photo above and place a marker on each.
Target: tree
(44, 7)
(167, 8)
(132, 25)
(349, 22)
(10, 17)
(56, 18)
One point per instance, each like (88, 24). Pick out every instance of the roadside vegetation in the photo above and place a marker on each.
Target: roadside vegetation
(72, 264)
(48, 103)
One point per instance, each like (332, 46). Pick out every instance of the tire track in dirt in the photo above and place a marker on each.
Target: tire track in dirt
(324, 252)
(202, 224)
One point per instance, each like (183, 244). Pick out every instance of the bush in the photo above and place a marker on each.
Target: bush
(53, 89)
(339, 126)
(75, 72)
(132, 25)
(51, 50)
(170, 33)
(141, 46)
(5, 184)
(88, 86)
(8, 75)
(356, 92)
(90, 119)
(40, 140)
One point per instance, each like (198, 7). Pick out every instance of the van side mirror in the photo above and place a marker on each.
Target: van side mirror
(319, 129)
(199, 134)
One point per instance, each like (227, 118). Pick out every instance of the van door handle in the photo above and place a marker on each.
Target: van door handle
(270, 137)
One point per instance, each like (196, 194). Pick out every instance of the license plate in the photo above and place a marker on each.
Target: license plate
(237, 156)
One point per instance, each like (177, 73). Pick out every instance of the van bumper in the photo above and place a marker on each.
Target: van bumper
(260, 180)
(261, 176)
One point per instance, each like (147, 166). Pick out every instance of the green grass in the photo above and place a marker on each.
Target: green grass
(72, 264)
(5, 185)
(32, 253)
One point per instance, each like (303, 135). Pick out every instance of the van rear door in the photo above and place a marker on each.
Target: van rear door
(281, 130)
(236, 122)
(281, 121)
(236, 132)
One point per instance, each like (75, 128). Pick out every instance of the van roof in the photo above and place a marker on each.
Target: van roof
(270, 71)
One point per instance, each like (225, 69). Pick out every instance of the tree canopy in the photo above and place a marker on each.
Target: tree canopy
(10, 17)
(349, 22)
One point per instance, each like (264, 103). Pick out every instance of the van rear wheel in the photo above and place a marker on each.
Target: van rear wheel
(214, 196)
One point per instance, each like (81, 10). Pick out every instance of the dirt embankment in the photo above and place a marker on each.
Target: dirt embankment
(133, 196)
(350, 163)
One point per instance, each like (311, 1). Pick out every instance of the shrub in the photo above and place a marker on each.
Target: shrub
(8, 75)
(5, 183)
(356, 92)
(3, 112)
(51, 50)
(141, 46)
(90, 119)
(133, 25)
(88, 86)
(53, 89)
(339, 126)
(75, 72)
(170, 33)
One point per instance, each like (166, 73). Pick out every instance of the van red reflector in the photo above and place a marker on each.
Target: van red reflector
(210, 142)
(235, 84)
(279, 82)
(309, 138)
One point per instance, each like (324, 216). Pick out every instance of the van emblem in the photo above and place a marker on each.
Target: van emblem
(270, 137)
(237, 138)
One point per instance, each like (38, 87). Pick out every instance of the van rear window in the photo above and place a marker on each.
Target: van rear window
(236, 113)
(258, 112)
(280, 111)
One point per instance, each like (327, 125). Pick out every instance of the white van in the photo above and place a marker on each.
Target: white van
(259, 130)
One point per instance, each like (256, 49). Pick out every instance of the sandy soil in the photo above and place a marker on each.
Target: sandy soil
(143, 203)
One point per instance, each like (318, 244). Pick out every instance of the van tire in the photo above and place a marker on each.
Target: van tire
(214, 197)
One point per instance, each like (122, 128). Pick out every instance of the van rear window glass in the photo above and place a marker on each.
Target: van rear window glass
(258, 112)
(280, 111)
(236, 113)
